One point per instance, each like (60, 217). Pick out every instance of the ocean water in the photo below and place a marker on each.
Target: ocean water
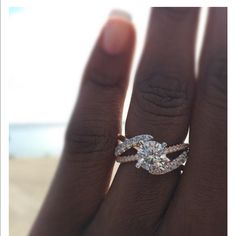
(36, 140)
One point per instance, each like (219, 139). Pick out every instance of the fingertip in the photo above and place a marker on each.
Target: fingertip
(120, 14)
(118, 33)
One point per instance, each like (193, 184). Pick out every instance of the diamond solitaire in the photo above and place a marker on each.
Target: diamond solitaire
(151, 155)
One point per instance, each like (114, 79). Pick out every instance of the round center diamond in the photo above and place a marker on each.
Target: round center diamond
(151, 155)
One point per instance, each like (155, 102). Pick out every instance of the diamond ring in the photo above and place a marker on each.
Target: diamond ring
(151, 155)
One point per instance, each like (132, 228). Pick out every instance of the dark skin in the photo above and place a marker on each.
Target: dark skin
(166, 100)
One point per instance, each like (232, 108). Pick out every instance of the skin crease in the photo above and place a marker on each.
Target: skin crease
(166, 100)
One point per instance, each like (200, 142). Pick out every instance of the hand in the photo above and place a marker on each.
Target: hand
(166, 100)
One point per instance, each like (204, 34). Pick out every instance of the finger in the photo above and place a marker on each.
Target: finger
(199, 205)
(84, 172)
(160, 106)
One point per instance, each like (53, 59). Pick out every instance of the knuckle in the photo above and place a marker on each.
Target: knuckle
(214, 83)
(103, 77)
(162, 96)
(84, 140)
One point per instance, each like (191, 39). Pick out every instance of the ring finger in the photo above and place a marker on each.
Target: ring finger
(160, 106)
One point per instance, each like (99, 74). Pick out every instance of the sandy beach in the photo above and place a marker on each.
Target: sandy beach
(29, 182)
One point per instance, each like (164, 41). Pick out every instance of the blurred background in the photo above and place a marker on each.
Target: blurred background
(48, 44)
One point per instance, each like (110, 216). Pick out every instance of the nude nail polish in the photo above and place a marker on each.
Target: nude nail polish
(117, 32)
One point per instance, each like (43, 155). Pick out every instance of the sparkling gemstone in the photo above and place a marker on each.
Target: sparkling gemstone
(151, 155)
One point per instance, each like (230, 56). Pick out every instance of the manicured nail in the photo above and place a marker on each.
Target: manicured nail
(117, 32)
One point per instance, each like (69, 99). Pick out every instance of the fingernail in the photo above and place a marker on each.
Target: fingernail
(117, 32)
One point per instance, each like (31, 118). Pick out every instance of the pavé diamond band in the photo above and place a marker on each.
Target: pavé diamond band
(151, 155)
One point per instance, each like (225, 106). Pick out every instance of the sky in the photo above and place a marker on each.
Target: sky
(48, 46)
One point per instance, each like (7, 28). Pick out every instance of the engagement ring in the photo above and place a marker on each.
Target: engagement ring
(151, 155)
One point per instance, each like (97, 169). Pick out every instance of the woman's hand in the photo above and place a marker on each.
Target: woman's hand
(163, 104)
